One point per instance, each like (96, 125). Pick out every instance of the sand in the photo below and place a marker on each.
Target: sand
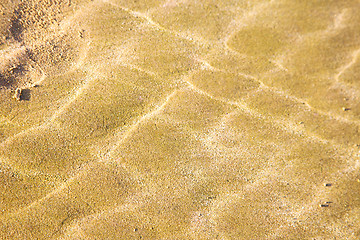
(179, 119)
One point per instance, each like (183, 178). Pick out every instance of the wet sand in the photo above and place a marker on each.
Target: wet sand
(179, 119)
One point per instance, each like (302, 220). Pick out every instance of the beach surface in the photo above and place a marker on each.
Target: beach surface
(179, 119)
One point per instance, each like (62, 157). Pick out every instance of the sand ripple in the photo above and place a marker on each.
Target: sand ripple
(180, 119)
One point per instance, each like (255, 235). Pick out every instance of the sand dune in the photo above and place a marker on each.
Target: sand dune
(179, 119)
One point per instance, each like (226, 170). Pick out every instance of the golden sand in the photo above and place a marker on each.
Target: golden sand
(179, 119)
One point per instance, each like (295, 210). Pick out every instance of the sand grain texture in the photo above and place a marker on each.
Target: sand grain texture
(179, 119)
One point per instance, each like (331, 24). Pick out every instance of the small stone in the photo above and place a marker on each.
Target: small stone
(81, 33)
(17, 94)
(301, 122)
(324, 205)
(346, 109)
(328, 184)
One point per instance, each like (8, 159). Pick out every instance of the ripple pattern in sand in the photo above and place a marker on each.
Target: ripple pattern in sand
(180, 119)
